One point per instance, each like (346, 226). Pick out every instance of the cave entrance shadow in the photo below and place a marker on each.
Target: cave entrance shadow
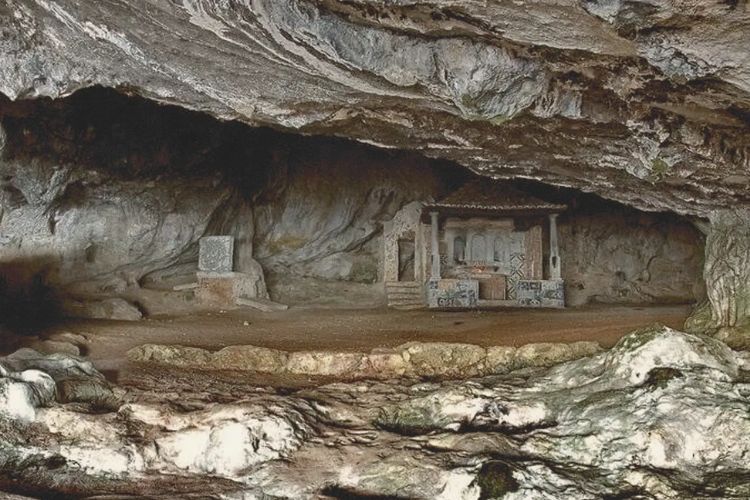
(28, 303)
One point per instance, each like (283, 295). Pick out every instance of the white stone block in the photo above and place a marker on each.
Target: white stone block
(216, 254)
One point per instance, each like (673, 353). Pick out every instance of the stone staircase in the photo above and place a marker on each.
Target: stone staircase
(405, 295)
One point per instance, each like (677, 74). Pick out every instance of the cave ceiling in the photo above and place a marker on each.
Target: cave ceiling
(643, 102)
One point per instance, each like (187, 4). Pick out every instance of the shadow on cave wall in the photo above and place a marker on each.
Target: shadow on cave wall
(616, 254)
(133, 138)
(101, 139)
(28, 302)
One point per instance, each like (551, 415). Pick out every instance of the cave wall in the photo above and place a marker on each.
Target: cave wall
(618, 255)
(101, 194)
(324, 208)
(727, 270)
(646, 102)
(96, 191)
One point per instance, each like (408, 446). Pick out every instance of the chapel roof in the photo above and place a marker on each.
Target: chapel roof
(496, 196)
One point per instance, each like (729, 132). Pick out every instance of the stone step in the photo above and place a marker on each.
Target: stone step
(405, 295)
(402, 297)
(260, 304)
(404, 290)
(403, 284)
(412, 307)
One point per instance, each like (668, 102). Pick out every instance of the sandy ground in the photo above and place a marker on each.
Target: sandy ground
(365, 329)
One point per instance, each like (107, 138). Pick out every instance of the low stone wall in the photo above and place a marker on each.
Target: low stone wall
(415, 359)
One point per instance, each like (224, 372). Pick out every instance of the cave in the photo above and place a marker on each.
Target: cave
(106, 198)
(299, 249)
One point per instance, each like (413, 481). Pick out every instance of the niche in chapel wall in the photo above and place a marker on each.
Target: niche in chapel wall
(493, 242)
(459, 249)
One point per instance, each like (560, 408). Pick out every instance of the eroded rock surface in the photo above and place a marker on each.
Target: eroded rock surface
(619, 256)
(727, 270)
(663, 414)
(645, 102)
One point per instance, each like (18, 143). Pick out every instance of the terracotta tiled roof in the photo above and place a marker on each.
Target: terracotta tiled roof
(486, 194)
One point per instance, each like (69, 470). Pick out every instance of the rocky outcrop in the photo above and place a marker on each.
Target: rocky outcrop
(30, 380)
(661, 415)
(414, 359)
(115, 309)
(78, 230)
(726, 313)
(727, 270)
(321, 211)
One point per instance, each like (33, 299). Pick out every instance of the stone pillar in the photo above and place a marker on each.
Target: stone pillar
(534, 250)
(435, 247)
(390, 253)
(727, 268)
(554, 251)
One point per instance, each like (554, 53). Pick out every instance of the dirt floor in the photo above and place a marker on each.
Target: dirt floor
(365, 329)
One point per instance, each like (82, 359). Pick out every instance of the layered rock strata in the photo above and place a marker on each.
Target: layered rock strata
(645, 102)
(663, 414)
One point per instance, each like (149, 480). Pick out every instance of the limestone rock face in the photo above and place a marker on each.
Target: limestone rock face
(645, 102)
(321, 211)
(661, 415)
(441, 358)
(618, 256)
(727, 270)
(249, 358)
(30, 380)
(76, 233)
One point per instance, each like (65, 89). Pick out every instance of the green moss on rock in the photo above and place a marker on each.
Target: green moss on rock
(495, 479)
(659, 169)
(409, 420)
(700, 320)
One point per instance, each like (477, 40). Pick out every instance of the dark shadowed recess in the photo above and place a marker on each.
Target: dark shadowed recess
(27, 302)
(134, 138)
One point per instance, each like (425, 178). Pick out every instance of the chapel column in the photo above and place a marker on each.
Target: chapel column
(554, 251)
(435, 248)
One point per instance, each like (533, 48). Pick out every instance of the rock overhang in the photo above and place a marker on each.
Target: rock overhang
(645, 103)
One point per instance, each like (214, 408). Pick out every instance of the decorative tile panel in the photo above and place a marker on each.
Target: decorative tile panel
(216, 254)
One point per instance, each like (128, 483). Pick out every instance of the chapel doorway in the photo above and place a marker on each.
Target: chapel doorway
(406, 268)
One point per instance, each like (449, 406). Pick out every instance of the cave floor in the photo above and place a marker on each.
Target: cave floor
(365, 329)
